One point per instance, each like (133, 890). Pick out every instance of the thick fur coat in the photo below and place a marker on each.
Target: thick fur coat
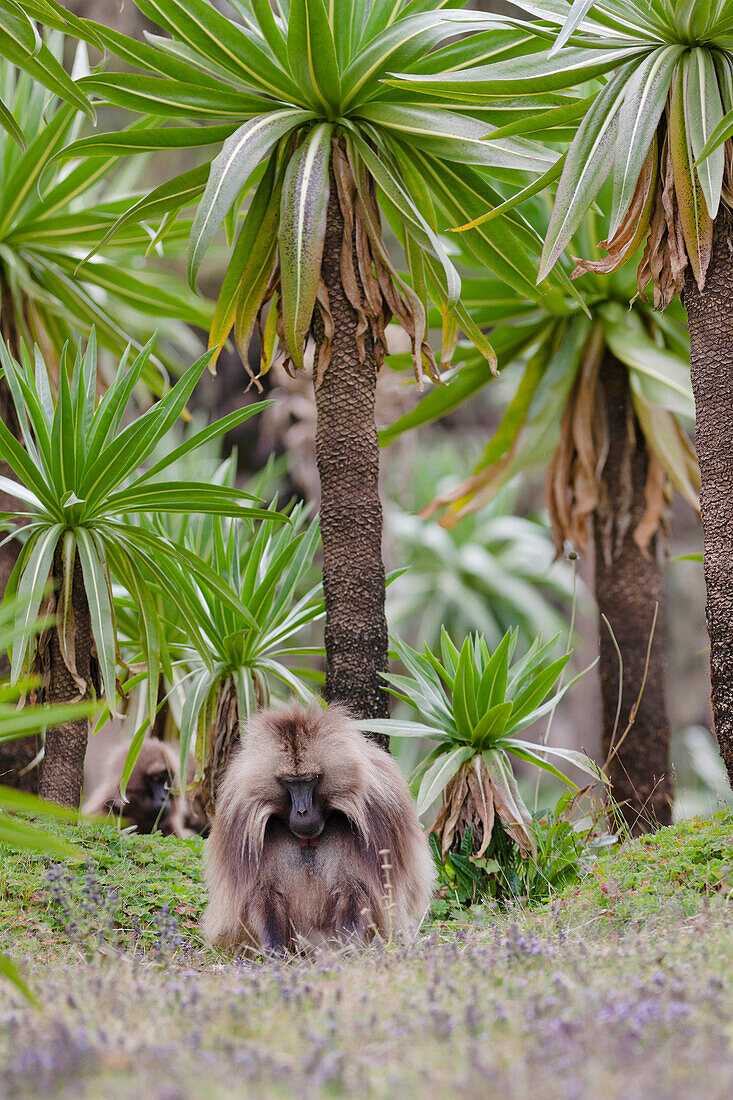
(142, 806)
(370, 871)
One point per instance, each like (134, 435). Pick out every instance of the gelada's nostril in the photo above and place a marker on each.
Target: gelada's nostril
(302, 812)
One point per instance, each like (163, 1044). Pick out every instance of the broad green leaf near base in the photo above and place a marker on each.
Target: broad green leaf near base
(439, 775)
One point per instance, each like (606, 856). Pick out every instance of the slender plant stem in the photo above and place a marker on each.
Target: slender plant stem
(573, 608)
(620, 696)
(613, 750)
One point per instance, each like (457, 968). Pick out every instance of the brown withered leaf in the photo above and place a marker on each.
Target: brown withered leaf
(472, 800)
(223, 741)
(573, 484)
(346, 187)
(398, 299)
(324, 349)
(373, 288)
(483, 801)
(452, 811)
(676, 251)
(66, 635)
(369, 281)
(476, 491)
(635, 225)
(655, 498)
(652, 260)
(590, 448)
(558, 489)
(665, 256)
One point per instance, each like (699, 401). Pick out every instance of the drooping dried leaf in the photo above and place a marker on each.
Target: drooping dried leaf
(483, 799)
(346, 188)
(470, 496)
(656, 500)
(398, 299)
(573, 484)
(635, 225)
(472, 800)
(693, 219)
(676, 251)
(652, 259)
(452, 811)
(224, 741)
(665, 257)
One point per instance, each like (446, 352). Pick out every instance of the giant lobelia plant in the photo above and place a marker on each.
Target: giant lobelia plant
(474, 703)
(217, 676)
(603, 402)
(662, 124)
(79, 487)
(50, 216)
(296, 102)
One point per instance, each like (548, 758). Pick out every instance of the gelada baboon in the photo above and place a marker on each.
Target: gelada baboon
(315, 837)
(150, 803)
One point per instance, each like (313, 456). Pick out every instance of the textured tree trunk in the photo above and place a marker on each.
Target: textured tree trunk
(347, 453)
(15, 756)
(628, 586)
(62, 771)
(710, 320)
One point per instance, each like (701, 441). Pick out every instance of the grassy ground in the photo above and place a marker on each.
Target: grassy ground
(622, 988)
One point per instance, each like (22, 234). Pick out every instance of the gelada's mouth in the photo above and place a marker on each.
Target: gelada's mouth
(308, 833)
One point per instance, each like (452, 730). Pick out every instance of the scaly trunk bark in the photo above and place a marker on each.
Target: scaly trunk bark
(62, 771)
(347, 454)
(15, 756)
(710, 321)
(628, 586)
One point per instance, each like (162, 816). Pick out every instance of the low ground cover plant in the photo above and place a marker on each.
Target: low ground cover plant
(153, 875)
(567, 846)
(621, 969)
